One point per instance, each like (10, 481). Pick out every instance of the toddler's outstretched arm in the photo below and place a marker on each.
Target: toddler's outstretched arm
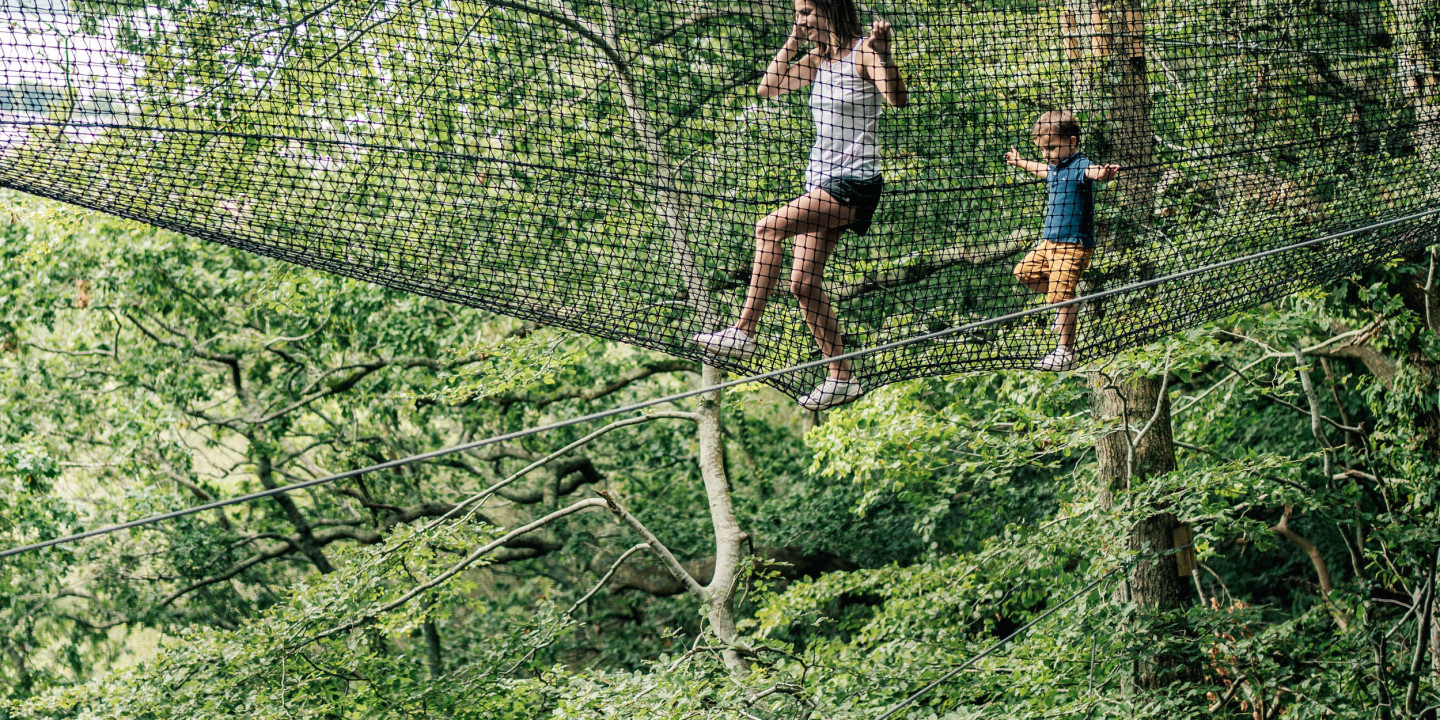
(1102, 173)
(1038, 169)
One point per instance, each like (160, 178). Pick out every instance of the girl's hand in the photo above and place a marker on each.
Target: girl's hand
(797, 37)
(1013, 156)
(879, 40)
(1109, 172)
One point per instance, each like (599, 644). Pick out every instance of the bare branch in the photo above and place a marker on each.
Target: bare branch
(1160, 399)
(564, 16)
(666, 557)
(307, 17)
(1281, 401)
(1380, 366)
(487, 492)
(680, 118)
(92, 625)
(278, 551)
(606, 577)
(1230, 693)
(619, 382)
(1317, 428)
(569, 477)
(354, 39)
(699, 18)
(194, 346)
(788, 561)
(1322, 571)
(70, 353)
(455, 569)
(1233, 375)
(334, 389)
(1427, 612)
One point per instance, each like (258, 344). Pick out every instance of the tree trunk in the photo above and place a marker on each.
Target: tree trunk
(728, 536)
(433, 659)
(1125, 134)
(1385, 703)
(1138, 447)
(1117, 129)
(1080, 24)
(668, 205)
(1141, 446)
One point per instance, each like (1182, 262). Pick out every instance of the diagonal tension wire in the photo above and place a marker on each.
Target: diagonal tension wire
(969, 327)
(998, 644)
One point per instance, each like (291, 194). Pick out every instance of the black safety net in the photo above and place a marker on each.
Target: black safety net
(612, 166)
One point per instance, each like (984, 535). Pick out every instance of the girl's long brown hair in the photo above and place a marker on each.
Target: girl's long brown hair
(844, 21)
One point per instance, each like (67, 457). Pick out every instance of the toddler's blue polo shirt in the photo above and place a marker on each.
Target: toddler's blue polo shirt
(1070, 207)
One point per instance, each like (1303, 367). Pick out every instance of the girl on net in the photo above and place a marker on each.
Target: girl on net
(851, 77)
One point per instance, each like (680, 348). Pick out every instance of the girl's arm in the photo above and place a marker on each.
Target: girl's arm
(881, 68)
(781, 77)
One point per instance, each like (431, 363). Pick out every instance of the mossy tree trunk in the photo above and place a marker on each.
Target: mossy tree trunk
(1139, 446)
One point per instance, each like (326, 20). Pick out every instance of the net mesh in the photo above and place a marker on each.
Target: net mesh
(610, 167)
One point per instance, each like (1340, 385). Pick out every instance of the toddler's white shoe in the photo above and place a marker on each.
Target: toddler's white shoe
(1058, 360)
(831, 393)
(730, 342)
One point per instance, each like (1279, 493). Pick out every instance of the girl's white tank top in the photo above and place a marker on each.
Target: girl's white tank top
(846, 110)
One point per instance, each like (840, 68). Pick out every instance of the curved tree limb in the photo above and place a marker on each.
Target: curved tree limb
(1322, 571)
(606, 577)
(487, 492)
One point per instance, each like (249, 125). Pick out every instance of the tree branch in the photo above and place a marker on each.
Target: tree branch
(335, 388)
(564, 16)
(194, 347)
(487, 492)
(278, 551)
(1317, 428)
(606, 577)
(913, 269)
(620, 382)
(1322, 571)
(1422, 640)
(666, 557)
(790, 561)
(1380, 366)
(454, 570)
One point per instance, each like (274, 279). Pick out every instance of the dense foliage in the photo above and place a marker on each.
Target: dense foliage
(946, 512)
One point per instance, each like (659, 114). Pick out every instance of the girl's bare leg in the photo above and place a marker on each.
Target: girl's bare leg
(812, 212)
(812, 250)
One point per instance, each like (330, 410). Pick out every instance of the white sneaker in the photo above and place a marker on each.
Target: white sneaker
(1060, 359)
(831, 393)
(730, 342)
